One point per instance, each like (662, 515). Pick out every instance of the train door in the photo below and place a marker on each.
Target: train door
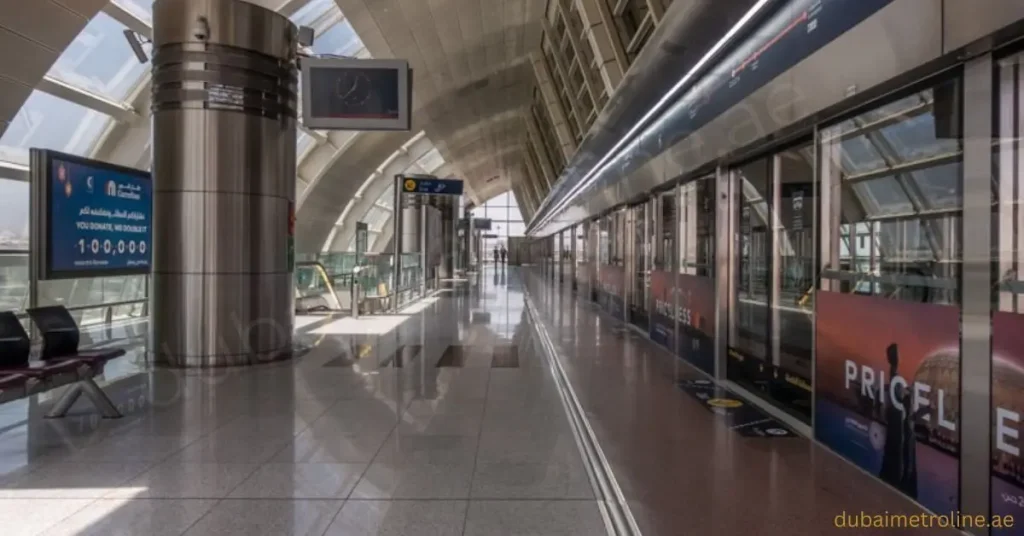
(696, 273)
(770, 346)
(638, 264)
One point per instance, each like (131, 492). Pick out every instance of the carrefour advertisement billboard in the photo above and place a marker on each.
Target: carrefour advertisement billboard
(93, 219)
(887, 391)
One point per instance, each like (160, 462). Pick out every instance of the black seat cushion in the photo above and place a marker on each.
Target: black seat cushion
(14, 342)
(58, 329)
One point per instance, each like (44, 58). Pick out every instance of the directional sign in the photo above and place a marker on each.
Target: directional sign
(432, 186)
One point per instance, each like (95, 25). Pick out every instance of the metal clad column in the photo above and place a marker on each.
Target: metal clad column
(224, 120)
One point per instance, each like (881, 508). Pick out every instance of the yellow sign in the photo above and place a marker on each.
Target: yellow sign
(410, 185)
(724, 403)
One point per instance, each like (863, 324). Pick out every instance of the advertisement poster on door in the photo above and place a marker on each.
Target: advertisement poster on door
(662, 291)
(697, 321)
(611, 288)
(887, 391)
(1007, 408)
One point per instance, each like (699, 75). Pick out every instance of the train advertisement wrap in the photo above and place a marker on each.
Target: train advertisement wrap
(1007, 407)
(99, 219)
(887, 389)
(611, 290)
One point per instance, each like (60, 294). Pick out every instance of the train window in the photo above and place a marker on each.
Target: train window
(894, 181)
(665, 222)
(697, 228)
(749, 328)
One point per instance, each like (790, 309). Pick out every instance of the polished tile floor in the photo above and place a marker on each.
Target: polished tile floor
(365, 434)
(444, 419)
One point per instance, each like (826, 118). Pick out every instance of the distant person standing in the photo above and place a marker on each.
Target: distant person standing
(495, 254)
(504, 254)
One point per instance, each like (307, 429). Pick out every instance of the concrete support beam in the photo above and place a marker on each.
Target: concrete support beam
(608, 48)
(553, 105)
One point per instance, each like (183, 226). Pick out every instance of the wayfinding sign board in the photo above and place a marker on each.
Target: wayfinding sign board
(430, 185)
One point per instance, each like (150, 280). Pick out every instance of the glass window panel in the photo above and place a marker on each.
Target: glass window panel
(387, 198)
(99, 60)
(376, 217)
(14, 202)
(49, 122)
(14, 282)
(900, 232)
(513, 211)
(516, 228)
(340, 40)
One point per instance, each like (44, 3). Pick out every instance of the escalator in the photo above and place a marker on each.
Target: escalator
(315, 291)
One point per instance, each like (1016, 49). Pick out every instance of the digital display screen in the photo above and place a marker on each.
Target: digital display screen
(99, 219)
(355, 92)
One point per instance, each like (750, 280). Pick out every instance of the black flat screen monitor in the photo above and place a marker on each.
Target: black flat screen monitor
(90, 218)
(355, 94)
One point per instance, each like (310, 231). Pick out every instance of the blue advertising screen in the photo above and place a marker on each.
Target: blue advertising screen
(99, 219)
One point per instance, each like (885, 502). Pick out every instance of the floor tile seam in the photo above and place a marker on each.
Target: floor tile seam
(553, 330)
(369, 464)
(203, 517)
(476, 454)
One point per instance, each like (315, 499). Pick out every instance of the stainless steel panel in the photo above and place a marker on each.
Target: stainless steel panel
(976, 331)
(219, 320)
(222, 291)
(969, 20)
(204, 232)
(205, 150)
(228, 22)
(902, 36)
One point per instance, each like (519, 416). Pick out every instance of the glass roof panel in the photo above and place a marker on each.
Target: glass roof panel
(313, 10)
(302, 142)
(387, 198)
(100, 61)
(339, 40)
(914, 139)
(431, 161)
(883, 196)
(940, 186)
(43, 121)
(142, 9)
(376, 217)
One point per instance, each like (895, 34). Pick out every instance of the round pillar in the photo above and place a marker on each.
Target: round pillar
(224, 119)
